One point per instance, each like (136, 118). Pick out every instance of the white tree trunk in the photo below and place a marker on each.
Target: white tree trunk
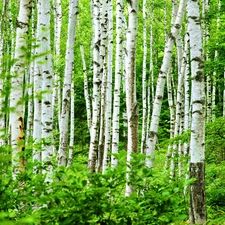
(56, 95)
(92, 157)
(108, 115)
(197, 143)
(16, 95)
(150, 89)
(86, 91)
(58, 24)
(64, 122)
(118, 71)
(37, 90)
(30, 116)
(151, 139)
(103, 74)
(213, 95)
(172, 115)
(205, 27)
(47, 86)
(144, 96)
(179, 104)
(72, 117)
(187, 98)
(130, 75)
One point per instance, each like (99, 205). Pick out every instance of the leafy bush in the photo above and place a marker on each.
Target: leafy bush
(77, 197)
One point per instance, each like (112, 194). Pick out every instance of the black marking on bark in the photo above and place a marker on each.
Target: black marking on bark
(200, 101)
(47, 102)
(159, 97)
(172, 37)
(152, 134)
(48, 123)
(96, 63)
(21, 25)
(129, 2)
(177, 26)
(198, 59)
(199, 76)
(193, 17)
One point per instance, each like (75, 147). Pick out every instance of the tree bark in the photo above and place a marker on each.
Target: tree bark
(152, 138)
(47, 86)
(197, 143)
(108, 114)
(130, 76)
(144, 96)
(92, 156)
(16, 96)
(66, 98)
(118, 72)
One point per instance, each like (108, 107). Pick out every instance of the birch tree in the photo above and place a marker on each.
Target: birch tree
(197, 145)
(150, 88)
(205, 9)
(103, 75)
(152, 137)
(86, 89)
(37, 88)
(67, 83)
(30, 104)
(118, 70)
(92, 156)
(171, 101)
(130, 76)
(57, 36)
(72, 115)
(47, 85)
(108, 114)
(144, 96)
(16, 97)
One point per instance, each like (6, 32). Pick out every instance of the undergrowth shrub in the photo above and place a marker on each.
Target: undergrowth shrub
(78, 197)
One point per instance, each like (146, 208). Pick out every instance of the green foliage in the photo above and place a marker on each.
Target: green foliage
(215, 144)
(78, 197)
(215, 193)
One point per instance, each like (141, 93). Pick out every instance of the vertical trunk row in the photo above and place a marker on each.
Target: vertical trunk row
(172, 115)
(37, 89)
(57, 36)
(187, 96)
(16, 96)
(72, 118)
(118, 71)
(205, 8)
(144, 96)
(171, 98)
(86, 91)
(47, 80)
(103, 74)
(66, 96)
(150, 88)
(108, 114)
(178, 129)
(214, 77)
(151, 139)
(92, 157)
(130, 76)
(30, 104)
(197, 145)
